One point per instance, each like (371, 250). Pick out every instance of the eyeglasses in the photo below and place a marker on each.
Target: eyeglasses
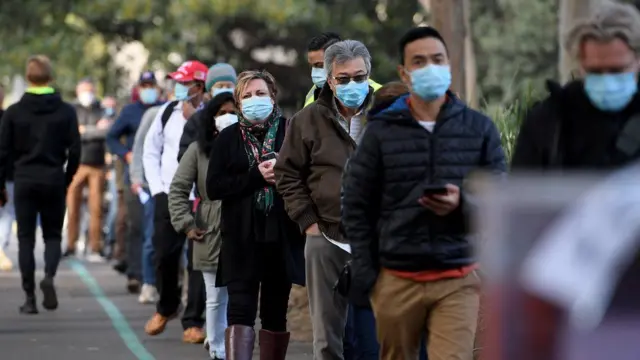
(343, 80)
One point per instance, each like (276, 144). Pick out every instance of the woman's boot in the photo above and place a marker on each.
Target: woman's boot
(238, 342)
(273, 345)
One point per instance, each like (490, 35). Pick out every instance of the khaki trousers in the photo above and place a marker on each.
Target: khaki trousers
(94, 177)
(447, 309)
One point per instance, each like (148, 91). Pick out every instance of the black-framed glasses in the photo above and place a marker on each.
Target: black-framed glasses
(343, 80)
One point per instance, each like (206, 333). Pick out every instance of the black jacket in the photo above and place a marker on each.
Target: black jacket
(189, 134)
(566, 131)
(242, 225)
(385, 177)
(10, 160)
(41, 133)
(93, 139)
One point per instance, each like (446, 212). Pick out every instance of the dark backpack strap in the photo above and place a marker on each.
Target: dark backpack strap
(166, 114)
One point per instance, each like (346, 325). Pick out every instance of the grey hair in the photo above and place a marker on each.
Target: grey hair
(610, 21)
(344, 51)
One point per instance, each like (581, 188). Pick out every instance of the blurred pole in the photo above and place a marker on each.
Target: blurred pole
(570, 12)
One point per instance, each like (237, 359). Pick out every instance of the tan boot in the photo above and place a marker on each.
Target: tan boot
(156, 324)
(273, 345)
(193, 335)
(238, 342)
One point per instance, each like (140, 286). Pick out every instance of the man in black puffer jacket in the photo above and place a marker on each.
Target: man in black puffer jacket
(412, 245)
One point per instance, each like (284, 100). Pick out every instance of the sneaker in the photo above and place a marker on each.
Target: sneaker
(5, 262)
(194, 335)
(95, 258)
(148, 294)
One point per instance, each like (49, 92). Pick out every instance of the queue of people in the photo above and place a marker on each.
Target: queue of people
(360, 196)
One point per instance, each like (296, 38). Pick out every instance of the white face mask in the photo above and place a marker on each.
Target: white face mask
(86, 99)
(225, 120)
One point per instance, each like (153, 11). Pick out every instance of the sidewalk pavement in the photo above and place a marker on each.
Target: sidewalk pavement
(88, 326)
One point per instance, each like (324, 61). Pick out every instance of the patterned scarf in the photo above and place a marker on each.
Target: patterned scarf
(251, 133)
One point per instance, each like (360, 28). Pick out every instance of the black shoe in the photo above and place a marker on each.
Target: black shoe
(121, 267)
(29, 307)
(68, 253)
(50, 299)
(133, 286)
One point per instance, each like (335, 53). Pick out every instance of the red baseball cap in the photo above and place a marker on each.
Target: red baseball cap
(190, 71)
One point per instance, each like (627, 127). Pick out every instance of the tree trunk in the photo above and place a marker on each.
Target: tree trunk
(448, 16)
(570, 12)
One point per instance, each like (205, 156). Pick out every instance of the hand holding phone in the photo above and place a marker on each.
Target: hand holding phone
(441, 202)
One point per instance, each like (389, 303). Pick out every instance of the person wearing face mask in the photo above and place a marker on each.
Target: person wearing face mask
(203, 227)
(315, 56)
(125, 128)
(322, 137)
(93, 127)
(409, 244)
(220, 78)
(262, 249)
(160, 161)
(589, 124)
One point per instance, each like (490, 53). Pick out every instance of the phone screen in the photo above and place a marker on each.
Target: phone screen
(269, 156)
(435, 190)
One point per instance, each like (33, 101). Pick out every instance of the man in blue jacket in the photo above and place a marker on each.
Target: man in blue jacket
(126, 126)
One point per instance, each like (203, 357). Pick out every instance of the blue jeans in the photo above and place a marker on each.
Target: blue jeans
(360, 339)
(110, 223)
(7, 217)
(148, 268)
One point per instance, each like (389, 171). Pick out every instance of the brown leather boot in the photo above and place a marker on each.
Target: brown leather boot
(238, 342)
(273, 345)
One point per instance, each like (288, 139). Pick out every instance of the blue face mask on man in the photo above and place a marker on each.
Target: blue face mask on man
(318, 76)
(181, 92)
(353, 94)
(431, 81)
(148, 96)
(611, 92)
(257, 108)
(109, 111)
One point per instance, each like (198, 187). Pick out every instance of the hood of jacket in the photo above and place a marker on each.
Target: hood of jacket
(41, 103)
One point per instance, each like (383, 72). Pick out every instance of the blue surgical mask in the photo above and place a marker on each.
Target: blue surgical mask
(318, 76)
(109, 111)
(148, 96)
(217, 91)
(257, 108)
(352, 95)
(181, 92)
(431, 81)
(611, 92)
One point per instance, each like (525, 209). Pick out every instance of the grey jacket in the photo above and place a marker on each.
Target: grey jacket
(136, 170)
(193, 168)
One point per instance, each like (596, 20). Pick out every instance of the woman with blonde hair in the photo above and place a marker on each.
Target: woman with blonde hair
(262, 249)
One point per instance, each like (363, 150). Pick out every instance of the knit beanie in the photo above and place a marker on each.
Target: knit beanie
(220, 72)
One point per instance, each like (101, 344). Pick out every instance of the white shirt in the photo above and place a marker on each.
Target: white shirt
(160, 154)
(428, 125)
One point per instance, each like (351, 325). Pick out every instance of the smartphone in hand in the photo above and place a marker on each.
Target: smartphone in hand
(434, 190)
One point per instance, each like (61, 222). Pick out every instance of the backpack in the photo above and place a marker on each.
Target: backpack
(166, 114)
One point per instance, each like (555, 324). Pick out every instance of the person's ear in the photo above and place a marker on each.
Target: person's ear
(403, 75)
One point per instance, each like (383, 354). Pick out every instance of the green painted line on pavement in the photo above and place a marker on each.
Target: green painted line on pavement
(117, 319)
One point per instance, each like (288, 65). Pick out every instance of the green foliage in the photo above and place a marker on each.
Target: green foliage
(508, 118)
(516, 44)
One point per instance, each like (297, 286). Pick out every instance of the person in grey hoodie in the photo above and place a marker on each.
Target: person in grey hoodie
(204, 227)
